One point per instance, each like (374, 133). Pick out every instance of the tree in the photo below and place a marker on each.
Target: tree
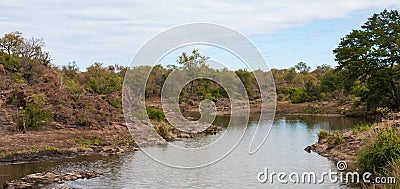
(12, 42)
(372, 54)
(193, 64)
(31, 49)
(302, 67)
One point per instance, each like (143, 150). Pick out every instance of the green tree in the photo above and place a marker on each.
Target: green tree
(302, 67)
(12, 42)
(371, 55)
(193, 64)
(101, 80)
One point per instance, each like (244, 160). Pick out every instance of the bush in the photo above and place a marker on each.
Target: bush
(34, 115)
(332, 139)
(115, 102)
(162, 130)
(82, 122)
(9, 62)
(377, 156)
(362, 128)
(323, 134)
(155, 114)
(75, 90)
(297, 95)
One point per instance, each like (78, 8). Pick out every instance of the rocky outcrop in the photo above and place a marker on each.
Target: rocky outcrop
(39, 180)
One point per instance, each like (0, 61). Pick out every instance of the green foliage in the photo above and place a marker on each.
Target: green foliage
(74, 89)
(13, 44)
(9, 62)
(323, 134)
(370, 55)
(34, 116)
(82, 122)
(297, 95)
(380, 153)
(162, 130)
(115, 102)
(155, 114)
(302, 67)
(362, 128)
(35, 149)
(2, 154)
(50, 148)
(191, 102)
(88, 141)
(333, 139)
(385, 112)
(18, 78)
(100, 80)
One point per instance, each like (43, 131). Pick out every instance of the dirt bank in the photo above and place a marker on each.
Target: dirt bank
(347, 146)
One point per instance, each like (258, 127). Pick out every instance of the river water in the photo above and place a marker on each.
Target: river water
(282, 152)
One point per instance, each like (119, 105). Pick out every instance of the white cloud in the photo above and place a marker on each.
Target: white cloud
(109, 31)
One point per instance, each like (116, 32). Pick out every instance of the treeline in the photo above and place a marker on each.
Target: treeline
(368, 74)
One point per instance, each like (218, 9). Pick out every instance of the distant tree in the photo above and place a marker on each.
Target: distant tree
(193, 64)
(32, 49)
(302, 67)
(12, 43)
(372, 56)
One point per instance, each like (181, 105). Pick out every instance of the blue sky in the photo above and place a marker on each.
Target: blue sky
(285, 31)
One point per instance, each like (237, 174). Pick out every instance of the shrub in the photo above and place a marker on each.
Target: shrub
(322, 135)
(381, 152)
(115, 102)
(155, 114)
(362, 128)
(75, 90)
(162, 130)
(2, 154)
(332, 139)
(9, 62)
(82, 122)
(297, 95)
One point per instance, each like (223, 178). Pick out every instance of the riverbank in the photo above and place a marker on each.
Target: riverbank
(66, 142)
(349, 145)
(33, 146)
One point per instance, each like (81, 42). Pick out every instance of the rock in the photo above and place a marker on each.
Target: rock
(309, 148)
(39, 180)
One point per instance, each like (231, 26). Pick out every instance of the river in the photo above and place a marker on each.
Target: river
(282, 152)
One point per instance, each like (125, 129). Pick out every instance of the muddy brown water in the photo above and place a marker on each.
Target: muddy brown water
(282, 152)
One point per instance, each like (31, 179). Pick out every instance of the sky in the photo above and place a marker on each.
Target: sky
(285, 32)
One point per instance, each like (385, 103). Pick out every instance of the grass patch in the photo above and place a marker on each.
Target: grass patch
(50, 148)
(86, 142)
(362, 128)
(35, 149)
